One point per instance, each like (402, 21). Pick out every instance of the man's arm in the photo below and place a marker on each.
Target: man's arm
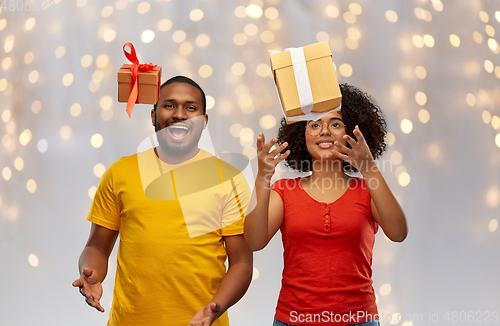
(234, 284)
(93, 264)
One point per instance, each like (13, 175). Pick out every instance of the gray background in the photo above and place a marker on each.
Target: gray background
(449, 262)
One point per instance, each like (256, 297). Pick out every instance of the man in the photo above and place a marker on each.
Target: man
(178, 211)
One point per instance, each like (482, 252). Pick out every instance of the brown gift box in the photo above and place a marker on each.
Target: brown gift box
(148, 82)
(324, 86)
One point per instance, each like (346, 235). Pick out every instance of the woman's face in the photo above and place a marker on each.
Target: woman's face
(321, 135)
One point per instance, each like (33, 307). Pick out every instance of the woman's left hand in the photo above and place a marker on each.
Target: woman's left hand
(359, 156)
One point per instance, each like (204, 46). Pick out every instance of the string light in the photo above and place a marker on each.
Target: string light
(202, 40)
(345, 70)
(478, 38)
(33, 260)
(6, 63)
(91, 192)
(102, 61)
(251, 153)
(210, 102)
(240, 12)
(349, 17)
(385, 289)
(42, 145)
(185, 48)
(423, 116)
(225, 106)
(390, 139)
(36, 107)
(196, 15)
(235, 129)
(493, 225)
(205, 71)
(109, 35)
(60, 52)
(106, 11)
(67, 79)
(29, 24)
(31, 185)
(254, 11)
(332, 11)
(271, 13)
(33, 76)
(470, 99)
(81, 3)
(65, 132)
(404, 179)
(143, 7)
(179, 36)
(396, 157)
(454, 40)
(391, 16)
(246, 137)
(406, 126)
(240, 39)
(322, 36)
(99, 169)
(86, 61)
(28, 57)
(164, 25)
(263, 70)
(486, 116)
(96, 140)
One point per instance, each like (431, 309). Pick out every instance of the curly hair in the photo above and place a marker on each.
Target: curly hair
(357, 109)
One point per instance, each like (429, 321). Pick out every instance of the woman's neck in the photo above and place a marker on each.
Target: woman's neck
(329, 169)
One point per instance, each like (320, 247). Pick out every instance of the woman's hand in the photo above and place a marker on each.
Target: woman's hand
(359, 156)
(268, 160)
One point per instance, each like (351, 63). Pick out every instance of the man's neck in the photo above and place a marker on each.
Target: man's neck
(175, 159)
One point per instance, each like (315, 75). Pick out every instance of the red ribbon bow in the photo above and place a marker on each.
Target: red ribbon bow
(135, 68)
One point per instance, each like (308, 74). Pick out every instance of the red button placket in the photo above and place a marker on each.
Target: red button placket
(328, 226)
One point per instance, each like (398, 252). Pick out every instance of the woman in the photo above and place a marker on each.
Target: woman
(328, 219)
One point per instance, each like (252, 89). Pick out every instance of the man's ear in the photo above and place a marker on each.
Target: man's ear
(205, 121)
(153, 117)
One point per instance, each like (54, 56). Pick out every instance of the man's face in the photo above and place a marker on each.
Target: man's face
(179, 119)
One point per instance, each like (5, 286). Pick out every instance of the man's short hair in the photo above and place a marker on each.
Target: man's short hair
(186, 80)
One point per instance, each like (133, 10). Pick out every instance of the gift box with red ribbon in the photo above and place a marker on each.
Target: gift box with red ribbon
(138, 83)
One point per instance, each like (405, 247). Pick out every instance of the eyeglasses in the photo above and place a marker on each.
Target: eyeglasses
(314, 128)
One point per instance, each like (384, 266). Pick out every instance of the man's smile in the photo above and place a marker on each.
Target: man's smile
(178, 131)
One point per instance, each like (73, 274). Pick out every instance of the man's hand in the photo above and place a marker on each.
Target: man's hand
(206, 316)
(90, 288)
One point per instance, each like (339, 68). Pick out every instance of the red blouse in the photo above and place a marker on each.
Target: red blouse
(327, 257)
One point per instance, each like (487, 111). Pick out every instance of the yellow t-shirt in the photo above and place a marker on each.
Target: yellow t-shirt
(171, 220)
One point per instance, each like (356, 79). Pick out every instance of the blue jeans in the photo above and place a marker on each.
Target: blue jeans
(368, 323)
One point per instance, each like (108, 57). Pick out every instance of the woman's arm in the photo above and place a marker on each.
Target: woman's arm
(267, 216)
(385, 208)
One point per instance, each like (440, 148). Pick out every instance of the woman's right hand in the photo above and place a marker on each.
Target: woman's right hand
(267, 159)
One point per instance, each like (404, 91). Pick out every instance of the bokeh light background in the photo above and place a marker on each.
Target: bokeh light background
(432, 66)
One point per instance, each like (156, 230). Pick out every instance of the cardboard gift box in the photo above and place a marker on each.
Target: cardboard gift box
(148, 81)
(306, 81)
